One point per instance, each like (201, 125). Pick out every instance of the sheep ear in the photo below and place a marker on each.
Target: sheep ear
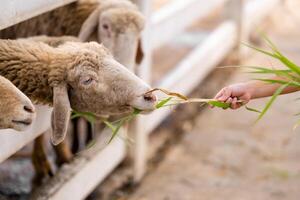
(89, 25)
(60, 114)
(140, 53)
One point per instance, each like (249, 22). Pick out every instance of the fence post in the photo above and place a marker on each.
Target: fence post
(139, 150)
(234, 11)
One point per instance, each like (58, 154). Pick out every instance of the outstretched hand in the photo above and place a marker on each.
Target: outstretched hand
(236, 95)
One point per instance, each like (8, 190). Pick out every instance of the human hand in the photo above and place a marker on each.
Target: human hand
(236, 95)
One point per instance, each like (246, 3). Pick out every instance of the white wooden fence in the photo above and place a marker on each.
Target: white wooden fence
(162, 26)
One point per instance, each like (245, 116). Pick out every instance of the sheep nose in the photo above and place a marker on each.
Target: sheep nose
(150, 97)
(29, 108)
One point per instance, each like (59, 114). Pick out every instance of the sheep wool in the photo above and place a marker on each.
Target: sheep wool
(35, 68)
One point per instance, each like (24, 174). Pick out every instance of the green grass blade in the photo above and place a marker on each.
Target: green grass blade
(261, 51)
(271, 101)
(163, 102)
(74, 116)
(288, 63)
(219, 104)
(252, 109)
(90, 117)
(136, 111)
(273, 81)
(117, 128)
(109, 125)
(287, 74)
(270, 43)
(277, 54)
(263, 70)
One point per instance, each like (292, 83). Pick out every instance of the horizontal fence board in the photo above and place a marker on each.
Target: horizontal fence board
(15, 11)
(173, 18)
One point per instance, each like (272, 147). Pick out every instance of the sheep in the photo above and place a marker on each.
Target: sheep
(115, 23)
(16, 110)
(81, 76)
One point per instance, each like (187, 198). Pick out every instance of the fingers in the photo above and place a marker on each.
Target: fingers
(234, 104)
(236, 95)
(229, 100)
(224, 94)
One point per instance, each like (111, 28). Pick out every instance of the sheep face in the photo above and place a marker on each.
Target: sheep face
(95, 82)
(119, 30)
(103, 86)
(16, 110)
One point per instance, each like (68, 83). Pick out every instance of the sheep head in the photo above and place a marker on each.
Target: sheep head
(16, 110)
(119, 29)
(99, 84)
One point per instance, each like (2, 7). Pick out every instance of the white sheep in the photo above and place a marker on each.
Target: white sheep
(16, 110)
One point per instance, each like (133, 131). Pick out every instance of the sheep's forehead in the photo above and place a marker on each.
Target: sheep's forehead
(92, 62)
(92, 52)
(124, 18)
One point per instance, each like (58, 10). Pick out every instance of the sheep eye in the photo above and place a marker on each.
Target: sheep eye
(105, 26)
(87, 81)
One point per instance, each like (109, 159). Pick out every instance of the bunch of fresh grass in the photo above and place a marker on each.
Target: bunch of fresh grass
(289, 76)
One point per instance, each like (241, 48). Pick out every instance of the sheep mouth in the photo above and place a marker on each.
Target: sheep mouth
(25, 122)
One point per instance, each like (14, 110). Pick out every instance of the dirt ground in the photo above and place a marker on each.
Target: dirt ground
(226, 156)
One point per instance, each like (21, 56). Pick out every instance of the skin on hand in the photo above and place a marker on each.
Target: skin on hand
(244, 92)
(235, 93)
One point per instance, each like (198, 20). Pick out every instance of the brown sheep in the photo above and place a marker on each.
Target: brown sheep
(115, 23)
(81, 76)
(16, 110)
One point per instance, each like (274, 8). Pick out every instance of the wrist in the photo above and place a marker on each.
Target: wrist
(250, 91)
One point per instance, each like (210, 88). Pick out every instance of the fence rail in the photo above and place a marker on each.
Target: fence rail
(15, 11)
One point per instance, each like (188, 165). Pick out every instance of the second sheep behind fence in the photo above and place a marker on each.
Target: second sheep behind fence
(16, 110)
